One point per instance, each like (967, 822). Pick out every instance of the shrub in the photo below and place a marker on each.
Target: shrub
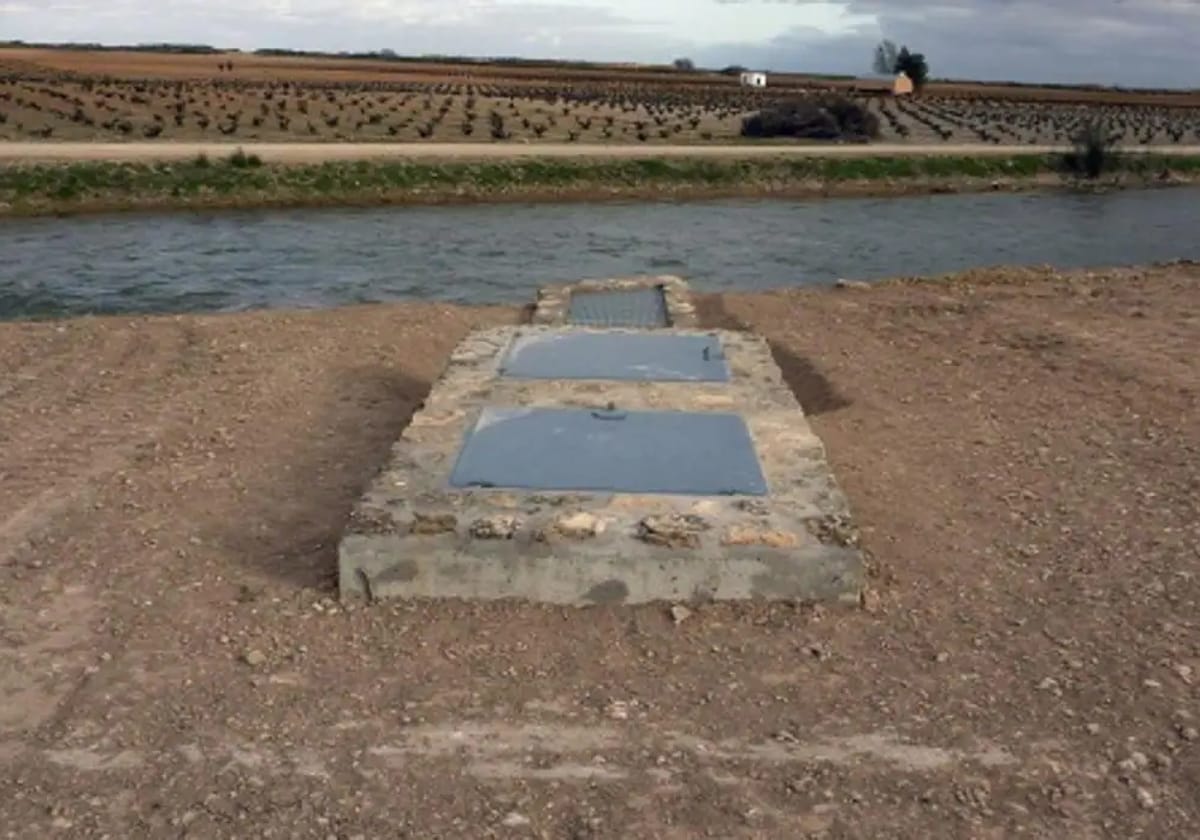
(1094, 151)
(826, 118)
(240, 160)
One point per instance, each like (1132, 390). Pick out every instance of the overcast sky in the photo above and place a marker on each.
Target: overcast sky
(1132, 42)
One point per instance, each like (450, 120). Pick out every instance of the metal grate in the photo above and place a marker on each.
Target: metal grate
(555, 449)
(645, 307)
(638, 356)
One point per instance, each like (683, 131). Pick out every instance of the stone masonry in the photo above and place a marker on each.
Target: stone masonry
(412, 535)
(553, 302)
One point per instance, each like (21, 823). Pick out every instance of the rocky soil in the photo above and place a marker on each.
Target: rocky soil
(1021, 449)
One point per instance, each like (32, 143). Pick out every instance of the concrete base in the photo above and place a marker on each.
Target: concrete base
(414, 536)
(554, 302)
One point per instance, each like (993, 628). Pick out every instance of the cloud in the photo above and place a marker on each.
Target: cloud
(1132, 42)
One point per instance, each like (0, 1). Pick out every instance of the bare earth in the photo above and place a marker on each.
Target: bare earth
(1022, 449)
(317, 152)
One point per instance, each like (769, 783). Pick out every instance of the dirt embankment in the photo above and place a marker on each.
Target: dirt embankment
(1020, 447)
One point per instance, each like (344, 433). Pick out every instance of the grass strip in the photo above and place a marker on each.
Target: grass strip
(244, 180)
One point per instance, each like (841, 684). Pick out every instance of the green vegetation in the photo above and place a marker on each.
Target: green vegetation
(243, 180)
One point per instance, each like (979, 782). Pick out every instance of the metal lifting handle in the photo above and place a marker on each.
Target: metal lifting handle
(609, 413)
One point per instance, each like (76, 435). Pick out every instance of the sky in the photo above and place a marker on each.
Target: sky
(1130, 42)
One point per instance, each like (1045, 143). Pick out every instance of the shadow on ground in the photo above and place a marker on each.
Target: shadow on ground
(815, 393)
(301, 507)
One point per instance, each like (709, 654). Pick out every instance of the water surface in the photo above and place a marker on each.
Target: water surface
(213, 261)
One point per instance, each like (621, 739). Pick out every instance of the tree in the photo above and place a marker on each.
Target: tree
(885, 58)
(685, 64)
(914, 66)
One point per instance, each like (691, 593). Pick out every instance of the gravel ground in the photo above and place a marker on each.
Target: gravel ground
(1019, 446)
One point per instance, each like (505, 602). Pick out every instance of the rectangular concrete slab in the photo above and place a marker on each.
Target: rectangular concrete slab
(570, 449)
(616, 355)
(414, 535)
(644, 307)
(619, 301)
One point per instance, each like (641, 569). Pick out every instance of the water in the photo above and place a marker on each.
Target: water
(502, 253)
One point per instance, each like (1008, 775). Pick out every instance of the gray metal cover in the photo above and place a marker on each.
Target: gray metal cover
(556, 449)
(646, 307)
(645, 357)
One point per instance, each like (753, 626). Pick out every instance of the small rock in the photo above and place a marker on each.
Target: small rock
(835, 529)
(754, 507)
(843, 283)
(1184, 672)
(1153, 685)
(672, 530)
(579, 526)
(515, 820)
(743, 535)
(1093, 728)
(680, 613)
(1048, 684)
(254, 658)
(1188, 733)
(498, 527)
(1145, 799)
(1136, 761)
(871, 601)
(433, 523)
(618, 710)
(942, 657)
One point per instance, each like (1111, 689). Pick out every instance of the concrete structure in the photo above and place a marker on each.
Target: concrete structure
(553, 305)
(902, 85)
(414, 535)
(753, 79)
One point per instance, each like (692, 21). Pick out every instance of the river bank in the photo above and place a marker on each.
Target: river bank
(1019, 447)
(242, 180)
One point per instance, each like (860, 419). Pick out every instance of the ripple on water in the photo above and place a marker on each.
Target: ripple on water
(501, 253)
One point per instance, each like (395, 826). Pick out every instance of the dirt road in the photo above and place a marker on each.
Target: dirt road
(316, 152)
(1021, 450)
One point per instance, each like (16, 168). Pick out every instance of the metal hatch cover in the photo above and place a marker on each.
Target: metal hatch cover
(658, 357)
(581, 450)
(644, 307)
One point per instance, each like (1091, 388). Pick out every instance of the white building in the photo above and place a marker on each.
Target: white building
(758, 80)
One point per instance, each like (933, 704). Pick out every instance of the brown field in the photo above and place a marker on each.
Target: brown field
(1020, 448)
(108, 95)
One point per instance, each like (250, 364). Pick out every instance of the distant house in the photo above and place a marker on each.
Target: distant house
(902, 86)
(751, 79)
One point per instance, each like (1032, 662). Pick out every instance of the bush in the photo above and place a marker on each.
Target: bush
(826, 118)
(241, 160)
(1094, 152)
